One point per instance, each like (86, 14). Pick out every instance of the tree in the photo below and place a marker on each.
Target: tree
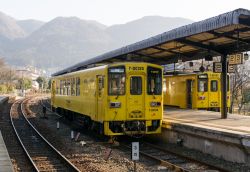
(246, 95)
(42, 82)
(7, 76)
(24, 83)
(49, 84)
(240, 80)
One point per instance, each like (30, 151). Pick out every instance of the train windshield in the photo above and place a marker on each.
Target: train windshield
(154, 81)
(202, 83)
(116, 80)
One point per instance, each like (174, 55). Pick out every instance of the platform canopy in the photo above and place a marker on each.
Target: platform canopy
(220, 35)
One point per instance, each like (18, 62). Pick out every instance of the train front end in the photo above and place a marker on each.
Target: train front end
(135, 99)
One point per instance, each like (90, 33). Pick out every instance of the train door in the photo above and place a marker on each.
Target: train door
(214, 96)
(202, 96)
(99, 97)
(53, 86)
(136, 96)
(189, 93)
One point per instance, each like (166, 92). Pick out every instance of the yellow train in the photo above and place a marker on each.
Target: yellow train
(194, 91)
(115, 99)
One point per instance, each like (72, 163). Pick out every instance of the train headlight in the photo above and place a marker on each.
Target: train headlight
(115, 104)
(202, 97)
(155, 104)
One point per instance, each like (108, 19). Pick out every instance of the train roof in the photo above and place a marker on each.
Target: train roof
(223, 34)
(104, 66)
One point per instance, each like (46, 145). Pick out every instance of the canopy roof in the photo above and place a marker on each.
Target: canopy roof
(221, 35)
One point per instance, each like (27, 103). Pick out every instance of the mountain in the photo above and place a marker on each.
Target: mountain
(30, 25)
(9, 28)
(60, 42)
(144, 28)
(65, 41)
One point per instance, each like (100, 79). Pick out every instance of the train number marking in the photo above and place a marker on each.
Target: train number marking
(135, 68)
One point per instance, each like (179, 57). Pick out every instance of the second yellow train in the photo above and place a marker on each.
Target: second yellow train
(194, 91)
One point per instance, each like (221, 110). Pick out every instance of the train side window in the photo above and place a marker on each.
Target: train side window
(135, 85)
(214, 85)
(202, 85)
(68, 87)
(101, 83)
(64, 87)
(61, 87)
(164, 85)
(73, 87)
(77, 86)
(57, 87)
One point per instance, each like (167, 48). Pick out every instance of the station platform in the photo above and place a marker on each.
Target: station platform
(205, 131)
(5, 162)
(234, 123)
(3, 99)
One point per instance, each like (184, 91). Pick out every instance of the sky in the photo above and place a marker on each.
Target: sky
(111, 12)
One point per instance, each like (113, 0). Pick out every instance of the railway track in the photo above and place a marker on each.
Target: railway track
(40, 152)
(166, 158)
(170, 160)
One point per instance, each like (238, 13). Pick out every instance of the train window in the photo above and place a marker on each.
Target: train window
(68, 87)
(202, 85)
(154, 81)
(116, 80)
(77, 86)
(164, 85)
(64, 87)
(57, 87)
(214, 85)
(73, 87)
(101, 83)
(135, 85)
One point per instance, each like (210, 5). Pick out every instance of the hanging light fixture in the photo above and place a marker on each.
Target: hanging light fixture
(202, 69)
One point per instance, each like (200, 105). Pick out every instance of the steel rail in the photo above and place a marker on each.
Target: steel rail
(19, 139)
(187, 157)
(164, 163)
(66, 161)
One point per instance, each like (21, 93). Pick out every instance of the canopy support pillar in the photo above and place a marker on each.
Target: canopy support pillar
(224, 83)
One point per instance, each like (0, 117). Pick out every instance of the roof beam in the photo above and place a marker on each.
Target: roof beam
(167, 50)
(147, 56)
(229, 35)
(244, 21)
(200, 46)
(173, 52)
(191, 56)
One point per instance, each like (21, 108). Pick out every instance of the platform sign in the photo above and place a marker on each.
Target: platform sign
(135, 151)
(235, 59)
(217, 67)
(231, 68)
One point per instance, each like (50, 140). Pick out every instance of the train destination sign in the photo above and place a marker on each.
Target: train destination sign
(217, 67)
(235, 59)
